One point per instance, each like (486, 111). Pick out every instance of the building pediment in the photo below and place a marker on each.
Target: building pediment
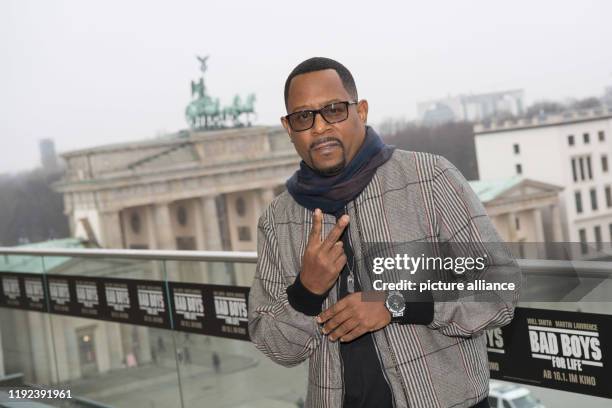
(514, 189)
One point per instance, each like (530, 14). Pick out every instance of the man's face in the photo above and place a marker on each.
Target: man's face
(325, 147)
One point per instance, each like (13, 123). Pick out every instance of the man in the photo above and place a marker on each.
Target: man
(307, 300)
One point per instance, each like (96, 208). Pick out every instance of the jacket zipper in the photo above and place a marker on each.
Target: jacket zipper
(338, 345)
(376, 345)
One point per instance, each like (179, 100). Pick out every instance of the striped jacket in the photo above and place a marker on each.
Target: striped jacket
(412, 197)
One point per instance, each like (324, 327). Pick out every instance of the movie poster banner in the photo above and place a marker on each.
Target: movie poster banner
(23, 291)
(230, 318)
(568, 351)
(129, 301)
(189, 312)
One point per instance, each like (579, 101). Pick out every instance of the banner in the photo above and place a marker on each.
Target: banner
(23, 291)
(568, 351)
(131, 301)
(215, 310)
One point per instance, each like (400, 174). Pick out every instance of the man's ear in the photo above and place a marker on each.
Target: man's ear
(362, 110)
(286, 126)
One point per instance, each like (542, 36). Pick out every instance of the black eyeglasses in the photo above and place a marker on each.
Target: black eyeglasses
(332, 113)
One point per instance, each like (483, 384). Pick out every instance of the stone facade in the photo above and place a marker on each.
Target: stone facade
(199, 190)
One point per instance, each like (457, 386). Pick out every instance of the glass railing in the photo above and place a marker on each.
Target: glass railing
(115, 358)
(112, 364)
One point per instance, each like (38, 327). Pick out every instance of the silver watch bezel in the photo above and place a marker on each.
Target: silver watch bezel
(395, 313)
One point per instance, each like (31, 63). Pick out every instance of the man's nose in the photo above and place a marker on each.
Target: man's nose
(320, 125)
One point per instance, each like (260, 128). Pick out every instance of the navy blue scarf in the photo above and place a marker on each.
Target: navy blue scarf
(331, 193)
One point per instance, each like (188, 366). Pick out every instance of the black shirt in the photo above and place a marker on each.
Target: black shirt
(365, 385)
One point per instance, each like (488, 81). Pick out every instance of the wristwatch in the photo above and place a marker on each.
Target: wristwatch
(396, 304)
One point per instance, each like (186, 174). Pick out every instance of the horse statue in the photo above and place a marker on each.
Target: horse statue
(205, 112)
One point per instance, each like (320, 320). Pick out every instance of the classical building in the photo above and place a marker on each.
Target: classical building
(570, 150)
(525, 212)
(192, 190)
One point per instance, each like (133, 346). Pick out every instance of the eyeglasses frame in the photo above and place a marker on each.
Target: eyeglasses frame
(318, 111)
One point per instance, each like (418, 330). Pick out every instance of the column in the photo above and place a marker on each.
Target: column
(511, 216)
(114, 345)
(151, 227)
(210, 221)
(208, 234)
(110, 229)
(557, 228)
(198, 219)
(266, 195)
(163, 227)
(539, 233)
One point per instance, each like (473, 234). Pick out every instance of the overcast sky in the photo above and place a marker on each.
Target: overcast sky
(87, 73)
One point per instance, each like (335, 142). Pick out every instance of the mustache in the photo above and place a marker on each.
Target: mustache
(325, 140)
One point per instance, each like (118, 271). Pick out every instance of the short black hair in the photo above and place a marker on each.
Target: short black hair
(319, 64)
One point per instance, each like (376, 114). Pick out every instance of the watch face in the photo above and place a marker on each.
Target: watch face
(395, 303)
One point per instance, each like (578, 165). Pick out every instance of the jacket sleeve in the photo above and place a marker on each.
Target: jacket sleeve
(465, 230)
(285, 335)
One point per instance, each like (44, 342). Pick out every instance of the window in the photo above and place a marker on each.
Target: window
(593, 199)
(517, 223)
(570, 140)
(604, 163)
(585, 138)
(244, 234)
(589, 169)
(517, 149)
(135, 222)
(582, 168)
(186, 243)
(602, 135)
(581, 161)
(608, 196)
(181, 215)
(583, 241)
(240, 206)
(578, 198)
(519, 169)
(597, 231)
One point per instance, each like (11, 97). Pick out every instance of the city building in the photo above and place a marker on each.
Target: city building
(571, 150)
(48, 157)
(193, 190)
(607, 98)
(525, 212)
(471, 108)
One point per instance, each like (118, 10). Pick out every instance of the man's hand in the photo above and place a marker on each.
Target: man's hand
(323, 260)
(351, 317)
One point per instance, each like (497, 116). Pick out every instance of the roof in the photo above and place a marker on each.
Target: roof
(39, 264)
(491, 189)
(559, 119)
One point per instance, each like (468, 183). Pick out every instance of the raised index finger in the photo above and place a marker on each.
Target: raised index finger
(317, 221)
(335, 233)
